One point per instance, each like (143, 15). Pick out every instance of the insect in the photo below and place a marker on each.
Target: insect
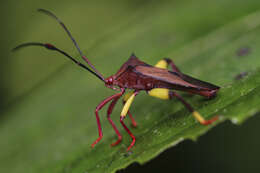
(137, 76)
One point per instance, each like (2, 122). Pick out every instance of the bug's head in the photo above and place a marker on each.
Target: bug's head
(110, 82)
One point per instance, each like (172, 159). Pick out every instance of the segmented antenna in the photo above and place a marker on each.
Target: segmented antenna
(73, 40)
(51, 47)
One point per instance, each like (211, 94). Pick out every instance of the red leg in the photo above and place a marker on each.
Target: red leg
(188, 106)
(103, 103)
(109, 111)
(129, 132)
(134, 124)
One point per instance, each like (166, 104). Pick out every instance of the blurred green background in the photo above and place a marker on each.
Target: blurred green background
(108, 26)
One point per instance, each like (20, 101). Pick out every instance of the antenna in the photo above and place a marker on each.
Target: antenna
(51, 47)
(73, 40)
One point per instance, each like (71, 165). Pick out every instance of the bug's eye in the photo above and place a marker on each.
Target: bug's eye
(109, 81)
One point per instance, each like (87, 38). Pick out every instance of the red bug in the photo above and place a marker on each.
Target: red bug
(137, 75)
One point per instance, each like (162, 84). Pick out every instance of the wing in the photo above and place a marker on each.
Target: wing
(174, 78)
(131, 62)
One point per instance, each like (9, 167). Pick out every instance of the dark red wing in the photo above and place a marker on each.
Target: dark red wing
(131, 62)
(179, 81)
(198, 82)
(174, 78)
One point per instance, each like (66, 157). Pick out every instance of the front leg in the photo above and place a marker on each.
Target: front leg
(99, 107)
(109, 111)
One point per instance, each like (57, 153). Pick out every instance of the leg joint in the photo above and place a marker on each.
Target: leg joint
(168, 60)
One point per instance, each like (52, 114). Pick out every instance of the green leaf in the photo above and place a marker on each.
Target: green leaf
(52, 124)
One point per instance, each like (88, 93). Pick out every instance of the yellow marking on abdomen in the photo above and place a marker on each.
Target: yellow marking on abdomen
(160, 93)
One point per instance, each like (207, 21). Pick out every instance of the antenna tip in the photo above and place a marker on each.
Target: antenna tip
(17, 48)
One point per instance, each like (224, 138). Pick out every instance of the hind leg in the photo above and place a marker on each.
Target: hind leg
(195, 114)
(164, 63)
(166, 94)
